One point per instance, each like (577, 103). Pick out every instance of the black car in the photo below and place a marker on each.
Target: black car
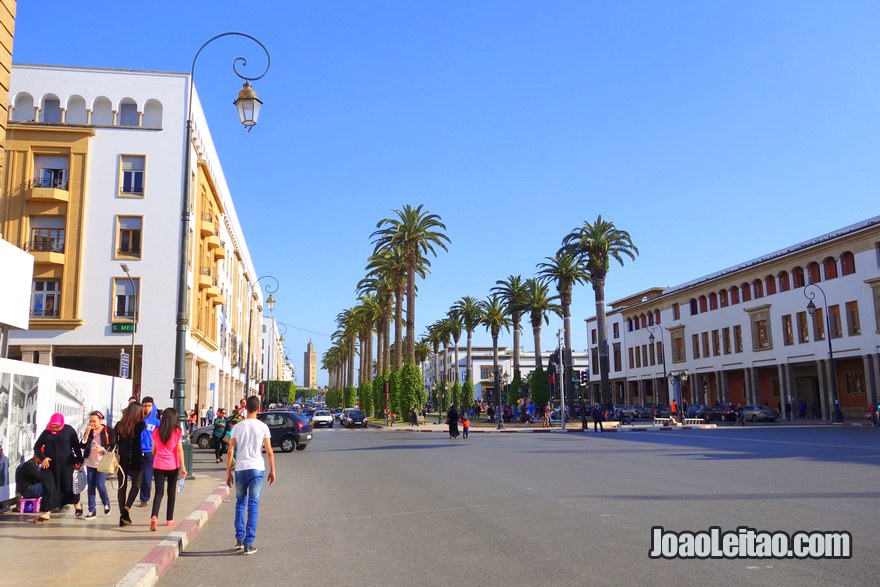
(354, 417)
(290, 431)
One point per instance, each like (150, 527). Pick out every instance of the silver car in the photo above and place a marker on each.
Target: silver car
(761, 413)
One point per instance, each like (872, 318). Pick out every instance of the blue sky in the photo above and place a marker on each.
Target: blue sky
(713, 132)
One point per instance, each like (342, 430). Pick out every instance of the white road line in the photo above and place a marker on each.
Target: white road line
(779, 441)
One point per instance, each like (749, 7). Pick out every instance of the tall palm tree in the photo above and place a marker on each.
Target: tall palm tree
(387, 264)
(512, 292)
(539, 303)
(366, 315)
(347, 334)
(415, 233)
(455, 327)
(566, 271)
(423, 350)
(470, 311)
(595, 244)
(382, 286)
(434, 337)
(494, 319)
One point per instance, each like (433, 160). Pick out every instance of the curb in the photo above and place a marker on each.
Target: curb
(147, 572)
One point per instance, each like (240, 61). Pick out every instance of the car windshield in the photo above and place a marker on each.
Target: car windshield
(322, 413)
(355, 414)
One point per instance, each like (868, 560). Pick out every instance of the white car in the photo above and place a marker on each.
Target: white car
(322, 418)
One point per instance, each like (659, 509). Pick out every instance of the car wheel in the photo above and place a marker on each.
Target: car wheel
(301, 446)
(288, 444)
(204, 441)
(754, 418)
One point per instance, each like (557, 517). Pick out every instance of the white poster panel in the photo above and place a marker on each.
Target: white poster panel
(15, 295)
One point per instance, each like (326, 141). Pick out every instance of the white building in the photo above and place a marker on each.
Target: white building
(272, 358)
(95, 161)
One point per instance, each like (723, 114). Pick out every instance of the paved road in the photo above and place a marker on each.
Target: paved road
(379, 508)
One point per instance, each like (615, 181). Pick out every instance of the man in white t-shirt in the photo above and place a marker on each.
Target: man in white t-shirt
(249, 437)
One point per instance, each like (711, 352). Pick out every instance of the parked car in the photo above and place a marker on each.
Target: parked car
(338, 414)
(322, 418)
(760, 413)
(290, 431)
(201, 437)
(352, 417)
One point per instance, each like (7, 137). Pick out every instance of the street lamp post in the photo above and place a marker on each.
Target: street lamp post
(270, 303)
(498, 411)
(248, 106)
(561, 377)
(837, 415)
(133, 323)
(651, 329)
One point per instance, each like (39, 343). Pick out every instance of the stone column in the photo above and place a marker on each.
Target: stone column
(825, 400)
(41, 354)
(64, 116)
(871, 377)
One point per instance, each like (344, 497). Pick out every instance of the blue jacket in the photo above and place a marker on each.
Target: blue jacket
(151, 422)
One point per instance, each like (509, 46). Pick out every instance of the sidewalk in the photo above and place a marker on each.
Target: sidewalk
(68, 552)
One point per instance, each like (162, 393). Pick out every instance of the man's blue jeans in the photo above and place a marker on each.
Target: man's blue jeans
(248, 486)
(146, 476)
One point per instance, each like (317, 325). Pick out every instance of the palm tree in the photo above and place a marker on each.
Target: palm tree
(566, 271)
(388, 266)
(494, 319)
(346, 335)
(434, 337)
(539, 303)
(423, 350)
(414, 233)
(470, 312)
(595, 244)
(512, 292)
(366, 314)
(382, 286)
(454, 328)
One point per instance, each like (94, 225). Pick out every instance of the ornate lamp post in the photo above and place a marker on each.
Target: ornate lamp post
(134, 321)
(270, 303)
(248, 106)
(837, 415)
(651, 329)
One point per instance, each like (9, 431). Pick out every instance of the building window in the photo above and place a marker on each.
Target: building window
(651, 356)
(854, 383)
(678, 354)
(676, 312)
(638, 358)
(722, 298)
(803, 329)
(725, 334)
(818, 325)
(737, 339)
(695, 345)
(644, 355)
(706, 345)
(797, 275)
(632, 361)
(847, 264)
(734, 295)
(617, 362)
(713, 301)
(746, 291)
(593, 336)
(716, 343)
(594, 355)
(814, 273)
(761, 339)
(47, 234)
(484, 372)
(693, 304)
(660, 358)
(770, 285)
(50, 171)
(704, 305)
(125, 297)
(128, 114)
(854, 326)
(787, 330)
(758, 287)
(131, 180)
(45, 298)
(128, 239)
(616, 329)
(834, 317)
(829, 265)
(784, 281)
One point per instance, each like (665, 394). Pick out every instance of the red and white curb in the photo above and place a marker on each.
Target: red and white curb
(147, 572)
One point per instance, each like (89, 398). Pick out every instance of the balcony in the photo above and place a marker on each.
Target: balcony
(47, 189)
(206, 226)
(47, 250)
(205, 277)
(213, 241)
(220, 252)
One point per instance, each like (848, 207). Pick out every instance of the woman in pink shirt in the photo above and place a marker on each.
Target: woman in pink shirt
(167, 464)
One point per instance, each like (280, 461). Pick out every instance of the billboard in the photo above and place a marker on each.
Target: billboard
(15, 295)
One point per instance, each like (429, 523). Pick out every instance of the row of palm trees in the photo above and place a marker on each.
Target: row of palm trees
(584, 257)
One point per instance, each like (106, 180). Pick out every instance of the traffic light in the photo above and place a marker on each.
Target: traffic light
(585, 377)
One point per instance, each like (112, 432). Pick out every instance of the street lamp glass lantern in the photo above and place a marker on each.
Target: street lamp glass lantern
(811, 308)
(270, 302)
(651, 338)
(248, 105)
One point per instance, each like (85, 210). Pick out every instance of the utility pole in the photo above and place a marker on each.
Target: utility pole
(561, 377)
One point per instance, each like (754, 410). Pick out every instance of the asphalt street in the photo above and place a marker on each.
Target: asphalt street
(387, 508)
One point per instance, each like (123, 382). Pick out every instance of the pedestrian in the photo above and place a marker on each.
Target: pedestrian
(191, 421)
(684, 409)
(203, 416)
(60, 455)
(547, 411)
(673, 410)
(242, 409)
(814, 410)
(219, 434)
(167, 464)
(740, 415)
(802, 409)
(452, 420)
(387, 417)
(788, 411)
(209, 416)
(28, 479)
(249, 438)
(597, 419)
(97, 440)
(151, 421)
(465, 426)
(128, 447)
(414, 417)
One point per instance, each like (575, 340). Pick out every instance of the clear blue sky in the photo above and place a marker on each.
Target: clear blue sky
(713, 132)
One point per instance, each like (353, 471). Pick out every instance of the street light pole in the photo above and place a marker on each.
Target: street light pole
(560, 335)
(133, 324)
(270, 303)
(248, 106)
(837, 414)
(651, 329)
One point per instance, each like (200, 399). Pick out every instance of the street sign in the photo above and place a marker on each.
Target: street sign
(126, 327)
(123, 365)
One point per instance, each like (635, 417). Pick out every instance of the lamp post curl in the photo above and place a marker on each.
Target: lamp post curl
(836, 414)
(270, 303)
(248, 108)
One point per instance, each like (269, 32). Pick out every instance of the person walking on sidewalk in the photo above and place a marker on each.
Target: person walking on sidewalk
(97, 440)
(60, 453)
(219, 433)
(167, 464)
(128, 446)
(597, 418)
(249, 438)
(150, 424)
(452, 420)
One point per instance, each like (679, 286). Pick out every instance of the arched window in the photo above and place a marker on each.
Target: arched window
(650, 318)
(50, 109)
(643, 320)
(629, 325)
(746, 291)
(152, 114)
(102, 111)
(770, 285)
(713, 301)
(797, 277)
(24, 108)
(693, 304)
(723, 300)
(813, 272)
(829, 266)
(704, 306)
(784, 282)
(758, 289)
(76, 110)
(847, 263)
(656, 316)
(128, 112)
(734, 295)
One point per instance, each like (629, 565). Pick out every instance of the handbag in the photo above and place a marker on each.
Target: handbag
(79, 481)
(109, 463)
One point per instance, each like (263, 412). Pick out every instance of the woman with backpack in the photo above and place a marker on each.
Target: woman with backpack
(97, 440)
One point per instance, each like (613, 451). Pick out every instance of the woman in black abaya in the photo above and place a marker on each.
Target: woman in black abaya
(452, 419)
(59, 447)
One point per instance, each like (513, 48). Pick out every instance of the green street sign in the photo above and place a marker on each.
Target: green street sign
(123, 327)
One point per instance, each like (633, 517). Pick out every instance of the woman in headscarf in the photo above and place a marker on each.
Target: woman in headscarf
(452, 420)
(59, 448)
